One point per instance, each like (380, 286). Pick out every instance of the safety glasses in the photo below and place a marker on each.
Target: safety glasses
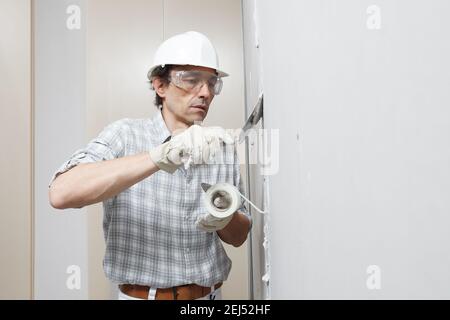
(193, 80)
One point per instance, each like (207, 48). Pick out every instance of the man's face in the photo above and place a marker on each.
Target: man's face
(188, 106)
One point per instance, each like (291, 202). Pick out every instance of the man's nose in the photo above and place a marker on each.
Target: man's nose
(204, 90)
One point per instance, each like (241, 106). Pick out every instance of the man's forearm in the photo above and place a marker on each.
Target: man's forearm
(235, 233)
(94, 182)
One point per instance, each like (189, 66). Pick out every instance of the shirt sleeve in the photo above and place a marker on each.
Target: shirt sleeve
(108, 145)
(238, 182)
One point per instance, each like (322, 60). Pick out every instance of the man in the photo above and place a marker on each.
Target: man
(160, 242)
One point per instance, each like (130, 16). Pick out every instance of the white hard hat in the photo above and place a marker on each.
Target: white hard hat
(189, 48)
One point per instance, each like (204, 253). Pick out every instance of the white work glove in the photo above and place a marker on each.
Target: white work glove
(194, 145)
(209, 223)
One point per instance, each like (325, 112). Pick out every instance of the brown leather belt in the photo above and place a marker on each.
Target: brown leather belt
(184, 292)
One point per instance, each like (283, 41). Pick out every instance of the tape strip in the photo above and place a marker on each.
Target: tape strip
(223, 199)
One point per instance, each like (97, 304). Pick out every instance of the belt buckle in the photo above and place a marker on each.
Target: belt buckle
(176, 292)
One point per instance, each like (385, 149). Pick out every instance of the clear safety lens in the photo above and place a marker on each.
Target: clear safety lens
(193, 81)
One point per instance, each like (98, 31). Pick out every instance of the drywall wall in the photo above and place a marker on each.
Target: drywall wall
(359, 92)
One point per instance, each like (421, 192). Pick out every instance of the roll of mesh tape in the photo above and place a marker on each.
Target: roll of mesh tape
(222, 200)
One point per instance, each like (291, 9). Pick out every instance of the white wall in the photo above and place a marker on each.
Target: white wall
(364, 159)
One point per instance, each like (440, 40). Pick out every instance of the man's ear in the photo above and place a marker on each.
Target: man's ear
(160, 87)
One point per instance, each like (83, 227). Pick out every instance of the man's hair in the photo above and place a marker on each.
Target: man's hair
(163, 74)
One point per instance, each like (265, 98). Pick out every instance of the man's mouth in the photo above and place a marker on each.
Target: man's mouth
(199, 107)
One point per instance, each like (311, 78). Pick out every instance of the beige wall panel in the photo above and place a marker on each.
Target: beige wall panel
(15, 160)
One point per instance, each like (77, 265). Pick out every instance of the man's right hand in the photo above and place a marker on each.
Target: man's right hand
(194, 145)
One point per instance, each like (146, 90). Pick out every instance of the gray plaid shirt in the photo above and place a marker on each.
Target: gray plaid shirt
(149, 228)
